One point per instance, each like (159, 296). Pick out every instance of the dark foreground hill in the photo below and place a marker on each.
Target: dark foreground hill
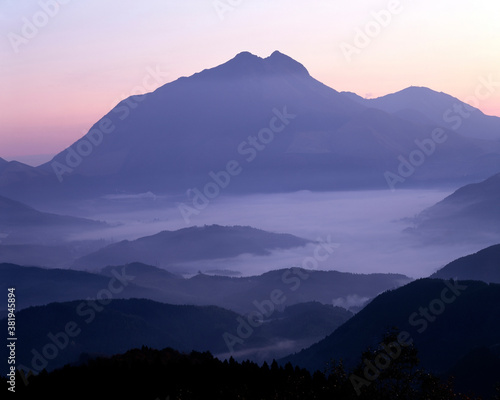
(60, 333)
(167, 374)
(446, 320)
(481, 266)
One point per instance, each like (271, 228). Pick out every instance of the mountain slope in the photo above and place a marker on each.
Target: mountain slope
(231, 102)
(471, 319)
(168, 248)
(482, 266)
(470, 214)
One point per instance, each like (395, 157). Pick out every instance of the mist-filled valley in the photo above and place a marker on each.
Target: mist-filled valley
(363, 225)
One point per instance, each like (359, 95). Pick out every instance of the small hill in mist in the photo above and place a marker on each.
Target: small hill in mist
(209, 242)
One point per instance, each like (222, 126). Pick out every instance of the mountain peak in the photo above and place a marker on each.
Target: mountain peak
(420, 91)
(246, 63)
(246, 55)
(285, 63)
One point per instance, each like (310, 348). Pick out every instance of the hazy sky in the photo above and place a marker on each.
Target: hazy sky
(64, 66)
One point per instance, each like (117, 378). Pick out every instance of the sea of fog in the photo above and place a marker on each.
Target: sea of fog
(365, 226)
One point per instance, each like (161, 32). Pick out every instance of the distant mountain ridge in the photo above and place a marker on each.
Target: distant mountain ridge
(39, 286)
(284, 129)
(21, 224)
(437, 108)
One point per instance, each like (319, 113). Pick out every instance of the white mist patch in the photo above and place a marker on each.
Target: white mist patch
(348, 302)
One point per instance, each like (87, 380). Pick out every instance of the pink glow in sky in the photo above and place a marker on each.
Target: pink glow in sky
(90, 54)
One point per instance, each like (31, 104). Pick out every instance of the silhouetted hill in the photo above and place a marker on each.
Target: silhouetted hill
(169, 248)
(39, 286)
(445, 320)
(481, 266)
(347, 290)
(167, 374)
(476, 370)
(111, 327)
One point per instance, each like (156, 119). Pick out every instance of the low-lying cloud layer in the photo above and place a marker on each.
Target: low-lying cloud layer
(367, 226)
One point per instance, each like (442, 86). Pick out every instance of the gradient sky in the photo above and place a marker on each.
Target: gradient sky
(91, 54)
